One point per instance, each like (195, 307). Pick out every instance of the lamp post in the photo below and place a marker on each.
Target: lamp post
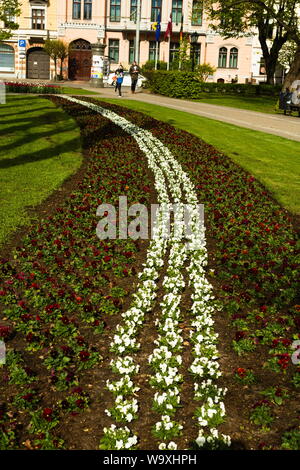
(194, 40)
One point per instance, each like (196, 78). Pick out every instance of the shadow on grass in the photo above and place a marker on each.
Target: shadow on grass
(30, 138)
(42, 154)
(21, 113)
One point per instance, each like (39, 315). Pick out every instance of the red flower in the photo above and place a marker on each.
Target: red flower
(240, 335)
(241, 372)
(107, 258)
(47, 414)
(5, 332)
(84, 356)
(80, 403)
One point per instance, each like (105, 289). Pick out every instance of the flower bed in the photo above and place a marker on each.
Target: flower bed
(24, 87)
(159, 374)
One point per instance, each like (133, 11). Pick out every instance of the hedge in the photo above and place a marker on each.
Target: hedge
(177, 84)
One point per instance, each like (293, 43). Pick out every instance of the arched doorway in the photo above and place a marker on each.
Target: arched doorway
(38, 64)
(80, 60)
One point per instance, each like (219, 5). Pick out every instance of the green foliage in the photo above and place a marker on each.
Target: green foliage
(287, 54)
(291, 439)
(9, 9)
(275, 24)
(203, 71)
(185, 84)
(56, 49)
(150, 65)
(262, 416)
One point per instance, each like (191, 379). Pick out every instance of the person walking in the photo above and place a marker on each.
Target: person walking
(120, 76)
(134, 73)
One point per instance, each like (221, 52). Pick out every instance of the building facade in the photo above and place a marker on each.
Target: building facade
(80, 23)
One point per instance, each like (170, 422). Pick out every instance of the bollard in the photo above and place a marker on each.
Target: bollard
(2, 93)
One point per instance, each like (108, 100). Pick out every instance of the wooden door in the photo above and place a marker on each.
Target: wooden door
(38, 65)
(80, 60)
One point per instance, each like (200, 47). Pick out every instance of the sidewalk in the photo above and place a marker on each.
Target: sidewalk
(284, 126)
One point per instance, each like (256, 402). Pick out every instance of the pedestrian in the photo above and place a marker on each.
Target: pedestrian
(120, 76)
(134, 73)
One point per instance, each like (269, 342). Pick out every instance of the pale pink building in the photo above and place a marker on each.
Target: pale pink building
(81, 23)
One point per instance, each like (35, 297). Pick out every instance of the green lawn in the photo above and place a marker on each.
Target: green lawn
(264, 104)
(271, 159)
(39, 148)
(67, 90)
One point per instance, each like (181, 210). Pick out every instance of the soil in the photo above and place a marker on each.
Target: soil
(84, 430)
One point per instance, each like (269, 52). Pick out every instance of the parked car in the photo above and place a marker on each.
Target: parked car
(126, 81)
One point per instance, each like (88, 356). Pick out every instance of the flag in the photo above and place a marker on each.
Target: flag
(169, 28)
(181, 29)
(157, 31)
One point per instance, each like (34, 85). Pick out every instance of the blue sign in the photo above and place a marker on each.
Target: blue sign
(22, 42)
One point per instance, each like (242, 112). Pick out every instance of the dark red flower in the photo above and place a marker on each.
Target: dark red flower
(84, 356)
(48, 414)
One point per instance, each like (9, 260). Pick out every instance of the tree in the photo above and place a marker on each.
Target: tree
(9, 10)
(203, 71)
(63, 52)
(284, 14)
(287, 54)
(236, 18)
(56, 49)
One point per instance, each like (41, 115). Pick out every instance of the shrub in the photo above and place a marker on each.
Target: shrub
(150, 65)
(184, 84)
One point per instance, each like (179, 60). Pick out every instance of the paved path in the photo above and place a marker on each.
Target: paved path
(284, 126)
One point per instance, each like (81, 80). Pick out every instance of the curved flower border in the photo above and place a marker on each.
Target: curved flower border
(171, 184)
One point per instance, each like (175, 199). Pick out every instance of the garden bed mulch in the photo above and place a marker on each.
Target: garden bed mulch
(63, 292)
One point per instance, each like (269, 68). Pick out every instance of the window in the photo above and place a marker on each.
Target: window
(155, 9)
(76, 9)
(197, 13)
(115, 10)
(113, 50)
(38, 18)
(133, 10)
(131, 51)
(233, 58)
(222, 57)
(174, 48)
(7, 58)
(87, 9)
(176, 11)
(152, 50)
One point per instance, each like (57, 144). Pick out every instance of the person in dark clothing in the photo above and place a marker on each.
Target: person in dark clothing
(134, 73)
(120, 76)
(285, 100)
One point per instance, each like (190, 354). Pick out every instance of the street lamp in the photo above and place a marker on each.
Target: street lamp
(194, 40)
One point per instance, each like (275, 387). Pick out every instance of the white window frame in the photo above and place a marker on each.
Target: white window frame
(38, 7)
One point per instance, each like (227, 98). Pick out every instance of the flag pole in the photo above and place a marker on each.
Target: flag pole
(168, 61)
(156, 54)
(137, 35)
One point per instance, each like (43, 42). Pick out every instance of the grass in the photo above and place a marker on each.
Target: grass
(39, 148)
(263, 104)
(273, 160)
(77, 91)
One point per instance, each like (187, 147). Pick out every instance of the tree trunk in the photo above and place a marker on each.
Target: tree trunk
(294, 72)
(55, 68)
(270, 69)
